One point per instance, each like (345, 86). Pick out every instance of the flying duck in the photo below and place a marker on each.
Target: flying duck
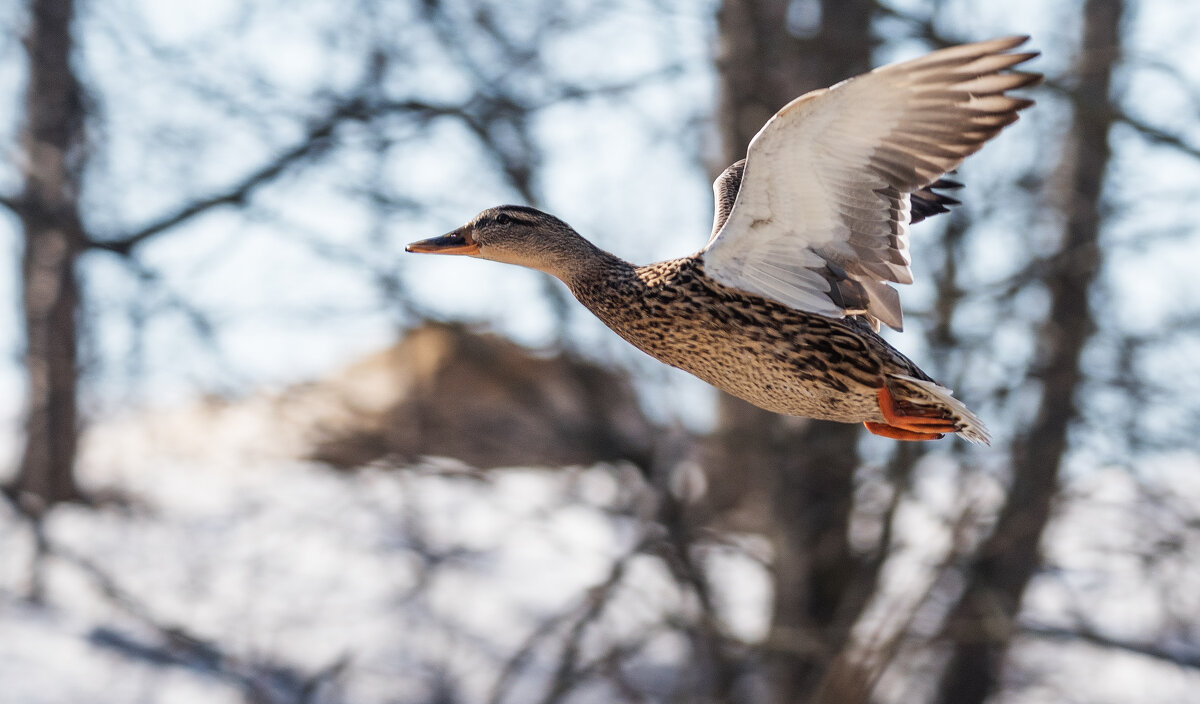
(783, 305)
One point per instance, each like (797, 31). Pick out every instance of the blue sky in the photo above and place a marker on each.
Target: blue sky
(616, 170)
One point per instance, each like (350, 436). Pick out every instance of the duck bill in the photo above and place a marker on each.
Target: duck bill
(457, 242)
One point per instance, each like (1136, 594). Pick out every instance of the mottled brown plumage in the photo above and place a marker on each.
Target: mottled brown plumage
(782, 306)
(775, 357)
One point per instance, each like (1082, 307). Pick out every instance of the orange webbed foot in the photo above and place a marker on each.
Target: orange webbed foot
(891, 431)
(895, 433)
(907, 422)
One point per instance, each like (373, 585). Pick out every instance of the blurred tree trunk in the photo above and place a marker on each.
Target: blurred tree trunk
(767, 57)
(981, 624)
(53, 156)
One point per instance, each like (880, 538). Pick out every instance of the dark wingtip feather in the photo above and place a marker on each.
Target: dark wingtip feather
(927, 202)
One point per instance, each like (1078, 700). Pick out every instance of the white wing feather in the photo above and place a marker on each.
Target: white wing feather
(825, 193)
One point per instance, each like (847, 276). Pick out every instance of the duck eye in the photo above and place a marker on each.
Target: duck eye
(503, 219)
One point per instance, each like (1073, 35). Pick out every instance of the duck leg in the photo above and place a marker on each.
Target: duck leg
(891, 431)
(908, 422)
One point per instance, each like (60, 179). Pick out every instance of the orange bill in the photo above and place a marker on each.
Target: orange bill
(456, 242)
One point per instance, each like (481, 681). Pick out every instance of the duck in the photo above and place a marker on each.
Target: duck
(783, 305)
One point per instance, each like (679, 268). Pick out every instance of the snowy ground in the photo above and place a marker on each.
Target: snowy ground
(420, 585)
(386, 586)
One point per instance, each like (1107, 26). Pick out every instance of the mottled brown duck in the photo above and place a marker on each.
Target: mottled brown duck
(783, 305)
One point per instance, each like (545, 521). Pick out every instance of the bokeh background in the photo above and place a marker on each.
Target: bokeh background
(256, 453)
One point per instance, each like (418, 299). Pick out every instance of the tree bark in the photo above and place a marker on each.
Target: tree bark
(981, 625)
(54, 153)
(805, 467)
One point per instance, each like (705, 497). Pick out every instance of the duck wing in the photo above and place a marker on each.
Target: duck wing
(822, 207)
(926, 202)
(725, 190)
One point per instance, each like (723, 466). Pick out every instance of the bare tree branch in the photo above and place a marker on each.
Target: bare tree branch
(1117, 114)
(1085, 634)
(11, 203)
(1158, 135)
(267, 682)
(597, 598)
(314, 143)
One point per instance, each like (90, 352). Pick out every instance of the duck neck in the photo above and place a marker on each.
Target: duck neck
(597, 277)
(576, 261)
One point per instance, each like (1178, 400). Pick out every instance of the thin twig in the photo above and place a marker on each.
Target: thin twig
(1085, 634)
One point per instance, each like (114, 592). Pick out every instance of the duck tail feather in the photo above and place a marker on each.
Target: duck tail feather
(925, 393)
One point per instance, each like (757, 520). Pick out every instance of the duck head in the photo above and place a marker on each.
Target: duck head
(515, 234)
